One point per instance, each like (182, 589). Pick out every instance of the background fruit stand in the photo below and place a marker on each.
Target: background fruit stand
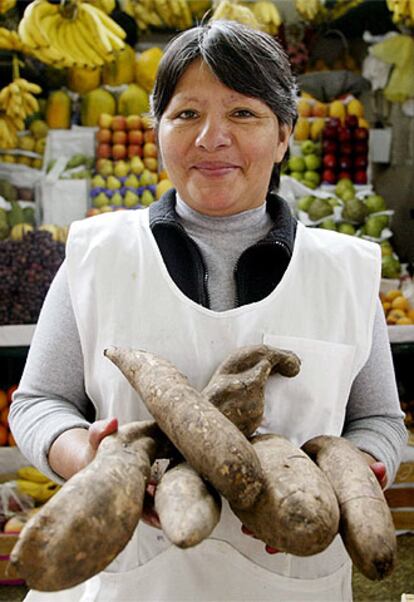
(76, 140)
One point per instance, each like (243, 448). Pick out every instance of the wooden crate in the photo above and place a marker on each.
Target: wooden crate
(400, 497)
(8, 575)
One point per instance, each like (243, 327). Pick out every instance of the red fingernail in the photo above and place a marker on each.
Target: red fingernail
(246, 531)
(271, 550)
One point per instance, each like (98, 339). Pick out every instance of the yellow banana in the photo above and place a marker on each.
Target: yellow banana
(40, 492)
(30, 473)
(110, 24)
(83, 38)
(97, 25)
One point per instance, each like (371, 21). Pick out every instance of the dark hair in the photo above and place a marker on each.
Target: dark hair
(246, 60)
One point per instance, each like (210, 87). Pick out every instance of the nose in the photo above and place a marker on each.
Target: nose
(214, 133)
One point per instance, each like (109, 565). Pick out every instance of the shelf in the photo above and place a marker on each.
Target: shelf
(19, 335)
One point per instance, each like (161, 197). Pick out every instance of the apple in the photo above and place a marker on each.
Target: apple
(334, 122)
(104, 135)
(347, 148)
(345, 175)
(345, 163)
(134, 150)
(135, 137)
(104, 150)
(119, 122)
(361, 134)
(149, 150)
(361, 148)
(351, 121)
(329, 161)
(133, 122)
(149, 136)
(119, 151)
(119, 137)
(104, 167)
(329, 176)
(330, 132)
(329, 146)
(360, 162)
(105, 121)
(151, 163)
(360, 176)
(344, 134)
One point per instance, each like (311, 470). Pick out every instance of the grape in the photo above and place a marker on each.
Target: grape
(27, 268)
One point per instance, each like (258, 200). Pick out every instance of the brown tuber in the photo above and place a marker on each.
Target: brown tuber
(92, 517)
(366, 524)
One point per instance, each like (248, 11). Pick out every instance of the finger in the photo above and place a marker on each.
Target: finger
(271, 550)
(379, 470)
(100, 429)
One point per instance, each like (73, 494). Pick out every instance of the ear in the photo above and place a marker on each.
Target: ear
(285, 132)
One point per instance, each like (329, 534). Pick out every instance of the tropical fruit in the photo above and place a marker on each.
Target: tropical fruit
(93, 104)
(146, 66)
(83, 79)
(58, 110)
(121, 70)
(133, 101)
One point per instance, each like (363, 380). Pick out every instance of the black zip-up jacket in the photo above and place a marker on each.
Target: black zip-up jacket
(258, 270)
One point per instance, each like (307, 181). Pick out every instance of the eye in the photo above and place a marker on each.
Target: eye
(243, 113)
(186, 115)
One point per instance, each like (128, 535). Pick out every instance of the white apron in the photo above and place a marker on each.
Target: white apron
(322, 310)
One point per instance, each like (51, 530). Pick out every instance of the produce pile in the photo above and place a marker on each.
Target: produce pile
(6, 437)
(207, 439)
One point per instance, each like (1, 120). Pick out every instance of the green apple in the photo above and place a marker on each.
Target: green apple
(131, 199)
(305, 202)
(344, 185)
(296, 175)
(386, 248)
(307, 147)
(312, 162)
(347, 195)
(113, 183)
(346, 228)
(328, 224)
(391, 267)
(374, 203)
(311, 177)
(296, 163)
(375, 224)
(101, 200)
(147, 198)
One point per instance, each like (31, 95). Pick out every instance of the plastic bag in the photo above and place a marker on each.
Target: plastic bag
(12, 502)
(399, 51)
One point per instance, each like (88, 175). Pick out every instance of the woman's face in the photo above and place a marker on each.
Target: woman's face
(217, 145)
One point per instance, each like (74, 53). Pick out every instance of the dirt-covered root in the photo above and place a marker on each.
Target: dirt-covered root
(237, 387)
(90, 520)
(297, 511)
(209, 442)
(366, 524)
(187, 507)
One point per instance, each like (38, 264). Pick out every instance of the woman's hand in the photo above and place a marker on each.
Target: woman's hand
(149, 515)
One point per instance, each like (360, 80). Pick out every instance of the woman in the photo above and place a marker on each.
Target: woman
(217, 263)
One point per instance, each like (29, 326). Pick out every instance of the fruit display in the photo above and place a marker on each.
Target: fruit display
(61, 34)
(260, 15)
(397, 307)
(17, 102)
(306, 165)
(77, 167)
(402, 12)
(6, 438)
(27, 267)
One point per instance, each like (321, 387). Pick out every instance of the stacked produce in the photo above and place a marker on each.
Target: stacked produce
(348, 211)
(27, 267)
(17, 102)
(262, 15)
(402, 12)
(306, 165)
(318, 11)
(30, 146)
(71, 33)
(397, 307)
(6, 438)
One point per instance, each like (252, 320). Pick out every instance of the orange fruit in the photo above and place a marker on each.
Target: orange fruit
(392, 294)
(4, 435)
(410, 314)
(404, 321)
(10, 392)
(386, 305)
(400, 303)
(3, 399)
(4, 416)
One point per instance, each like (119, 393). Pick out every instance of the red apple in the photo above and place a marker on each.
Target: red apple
(105, 121)
(329, 161)
(151, 163)
(360, 177)
(149, 135)
(135, 137)
(119, 151)
(361, 134)
(104, 135)
(351, 121)
(329, 132)
(361, 148)
(360, 162)
(344, 134)
(329, 146)
(347, 148)
(345, 175)
(134, 150)
(345, 162)
(119, 137)
(329, 176)
(149, 150)
(334, 122)
(104, 150)
(118, 122)
(133, 122)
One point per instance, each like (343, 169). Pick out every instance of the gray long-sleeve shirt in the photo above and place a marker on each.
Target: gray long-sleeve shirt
(51, 397)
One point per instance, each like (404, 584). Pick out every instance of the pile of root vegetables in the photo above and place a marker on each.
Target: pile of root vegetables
(295, 500)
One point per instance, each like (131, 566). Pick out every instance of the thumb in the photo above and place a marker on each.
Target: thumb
(101, 429)
(379, 470)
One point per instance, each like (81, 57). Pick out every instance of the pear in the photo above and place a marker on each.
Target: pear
(131, 199)
(146, 178)
(132, 181)
(113, 183)
(147, 198)
(121, 168)
(101, 200)
(98, 181)
(117, 200)
(136, 166)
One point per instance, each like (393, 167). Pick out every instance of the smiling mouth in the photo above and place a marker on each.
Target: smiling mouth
(215, 169)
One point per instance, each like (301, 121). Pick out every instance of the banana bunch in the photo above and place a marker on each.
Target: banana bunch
(402, 12)
(171, 14)
(6, 5)
(34, 483)
(199, 8)
(8, 132)
(86, 38)
(17, 101)
(106, 5)
(309, 10)
(10, 40)
(341, 7)
(268, 16)
(145, 14)
(230, 10)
